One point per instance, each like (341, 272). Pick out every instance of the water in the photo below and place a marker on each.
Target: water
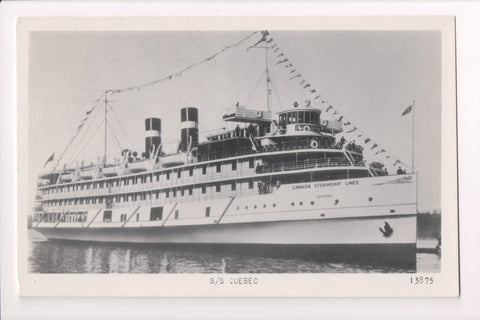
(80, 257)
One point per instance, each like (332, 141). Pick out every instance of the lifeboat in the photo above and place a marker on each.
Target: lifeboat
(139, 166)
(111, 171)
(66, 177)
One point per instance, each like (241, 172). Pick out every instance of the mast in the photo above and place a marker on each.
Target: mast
(105, 120)
(269, 91)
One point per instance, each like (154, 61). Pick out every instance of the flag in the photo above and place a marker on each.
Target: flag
(368, 140)
(49, 159)
(407, 110)
(374, 146)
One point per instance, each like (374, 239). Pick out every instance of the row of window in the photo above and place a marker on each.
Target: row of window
(138, 179)
(142, 196)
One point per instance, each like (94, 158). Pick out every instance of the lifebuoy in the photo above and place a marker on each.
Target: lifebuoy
(314, 144)
(306, 128)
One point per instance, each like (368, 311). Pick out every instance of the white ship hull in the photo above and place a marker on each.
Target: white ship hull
(347, 212)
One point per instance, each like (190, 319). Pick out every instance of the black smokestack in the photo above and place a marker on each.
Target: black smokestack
(189, 125)
(153, 128)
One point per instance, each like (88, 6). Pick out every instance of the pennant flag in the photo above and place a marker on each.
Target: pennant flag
(407, 110)
(298, 75)
(293, 70)
(308, 85)
(313, 91)
(283, 61)
(49, 159)
(280, 55)
(396, 162)
(328, 108)
(335, 112)
(269, 40)
(347, 123)
(354, 128)
(368, 140)
(340, 119)
(89, 111)
(276, 50)
(374, 146)
(302, 82)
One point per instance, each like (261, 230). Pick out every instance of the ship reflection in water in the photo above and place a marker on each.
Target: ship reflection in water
(80, 257)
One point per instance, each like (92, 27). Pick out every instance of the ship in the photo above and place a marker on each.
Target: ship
(285, 179)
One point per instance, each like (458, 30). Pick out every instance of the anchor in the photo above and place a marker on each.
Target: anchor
(387, 230)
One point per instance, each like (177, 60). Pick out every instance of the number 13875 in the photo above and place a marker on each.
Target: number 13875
(421, 280)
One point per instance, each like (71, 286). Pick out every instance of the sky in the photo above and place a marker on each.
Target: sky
(369, 76)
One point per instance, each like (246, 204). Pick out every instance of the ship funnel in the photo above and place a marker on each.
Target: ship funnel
(153, 138)
(189, 125)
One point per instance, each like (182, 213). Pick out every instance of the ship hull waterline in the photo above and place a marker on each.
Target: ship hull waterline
(355, 240)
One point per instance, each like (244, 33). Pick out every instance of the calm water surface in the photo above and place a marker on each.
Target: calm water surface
(80, 257)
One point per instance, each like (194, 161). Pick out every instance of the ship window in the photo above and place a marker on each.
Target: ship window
(174, 193)
(219, 167)
(301, 117)
(157, 194)
(183, 192)
(293, 203)
(294, 117)
(156, 213)
(255, 207)
(234, 165)
(158, 176)
(176, 214)
(204, 189)
(264, 205)
(190, 191)
(370, 199)
(168, 175)
(179, 173)
(234, 186)
(123, 217)
(107, 216)
(250, 184)
(218, 187)
(312, 202)
(167, 194)
(191, 172)
(204, 170)
(138, 217)
(274, 205)
(251, 163)
(307, 117)
(207, 212)
(301, 203)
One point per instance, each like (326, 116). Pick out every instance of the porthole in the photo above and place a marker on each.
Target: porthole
(312, 202)
(322, 214)
(274, 205)
(255, 207)
(238, 207)
(264, 205)
(301, 203)
(336, 201)
(370, 199)
(392, 210)
(246, 207)
(293, 203)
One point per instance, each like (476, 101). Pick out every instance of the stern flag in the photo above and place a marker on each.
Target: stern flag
(407, 110)
(49, 159)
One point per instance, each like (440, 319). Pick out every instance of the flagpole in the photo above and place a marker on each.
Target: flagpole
(413, 137)
(105, 152)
